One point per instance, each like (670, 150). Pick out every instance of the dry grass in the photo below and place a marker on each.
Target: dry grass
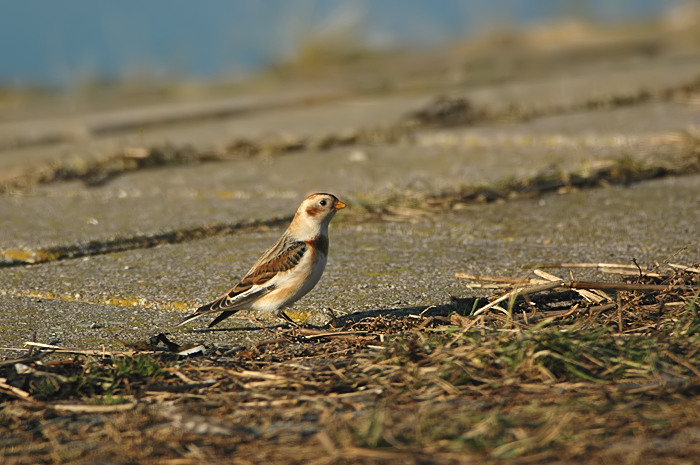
(554, 377)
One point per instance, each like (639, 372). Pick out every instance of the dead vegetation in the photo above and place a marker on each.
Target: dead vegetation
(553, 370)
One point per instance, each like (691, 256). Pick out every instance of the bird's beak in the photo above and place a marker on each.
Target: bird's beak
(339, 205)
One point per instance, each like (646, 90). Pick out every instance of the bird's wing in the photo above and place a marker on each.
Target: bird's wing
(281, 257)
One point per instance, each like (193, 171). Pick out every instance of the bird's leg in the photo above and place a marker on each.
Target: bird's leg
(261, 326)
(334, 321)
(286, 318)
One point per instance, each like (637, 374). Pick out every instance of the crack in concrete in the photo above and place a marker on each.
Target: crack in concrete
(622, 171)
(29, 256)
(174, 116)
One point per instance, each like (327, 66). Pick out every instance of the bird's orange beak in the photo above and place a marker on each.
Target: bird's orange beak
(339, 205)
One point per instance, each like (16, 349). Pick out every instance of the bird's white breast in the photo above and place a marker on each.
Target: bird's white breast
(292, 285)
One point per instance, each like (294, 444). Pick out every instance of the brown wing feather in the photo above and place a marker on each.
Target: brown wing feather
(264, 270)
(261, 273)
(282, 256)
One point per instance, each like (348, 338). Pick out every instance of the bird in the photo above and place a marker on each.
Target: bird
(286, 271)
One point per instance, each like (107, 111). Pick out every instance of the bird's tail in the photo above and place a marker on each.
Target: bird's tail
(197, 314)
(201, 311)
(189, 318)
(221, 317)
(222, 304)
(211, 307)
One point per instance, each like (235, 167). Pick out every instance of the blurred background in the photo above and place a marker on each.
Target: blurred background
(79, 43)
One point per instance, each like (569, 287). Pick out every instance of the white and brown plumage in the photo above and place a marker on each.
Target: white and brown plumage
(287, 270)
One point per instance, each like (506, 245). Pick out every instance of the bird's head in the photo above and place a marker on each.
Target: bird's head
(314, 214)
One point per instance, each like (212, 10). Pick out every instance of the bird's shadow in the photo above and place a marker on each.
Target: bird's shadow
(457, 305)
(425, 311)
(242, 328)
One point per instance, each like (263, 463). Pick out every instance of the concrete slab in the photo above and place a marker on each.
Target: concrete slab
(174, 198)
(625, 124)
(39, 222)
(139, 293)
(207, 134)
(588, 83)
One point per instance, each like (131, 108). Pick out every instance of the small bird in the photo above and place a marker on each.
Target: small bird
(287, 270)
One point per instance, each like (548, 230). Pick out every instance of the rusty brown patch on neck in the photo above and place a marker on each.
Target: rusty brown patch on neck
(313, 211)
(320, 243)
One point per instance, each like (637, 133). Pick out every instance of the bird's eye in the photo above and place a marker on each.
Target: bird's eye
(323, 203)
